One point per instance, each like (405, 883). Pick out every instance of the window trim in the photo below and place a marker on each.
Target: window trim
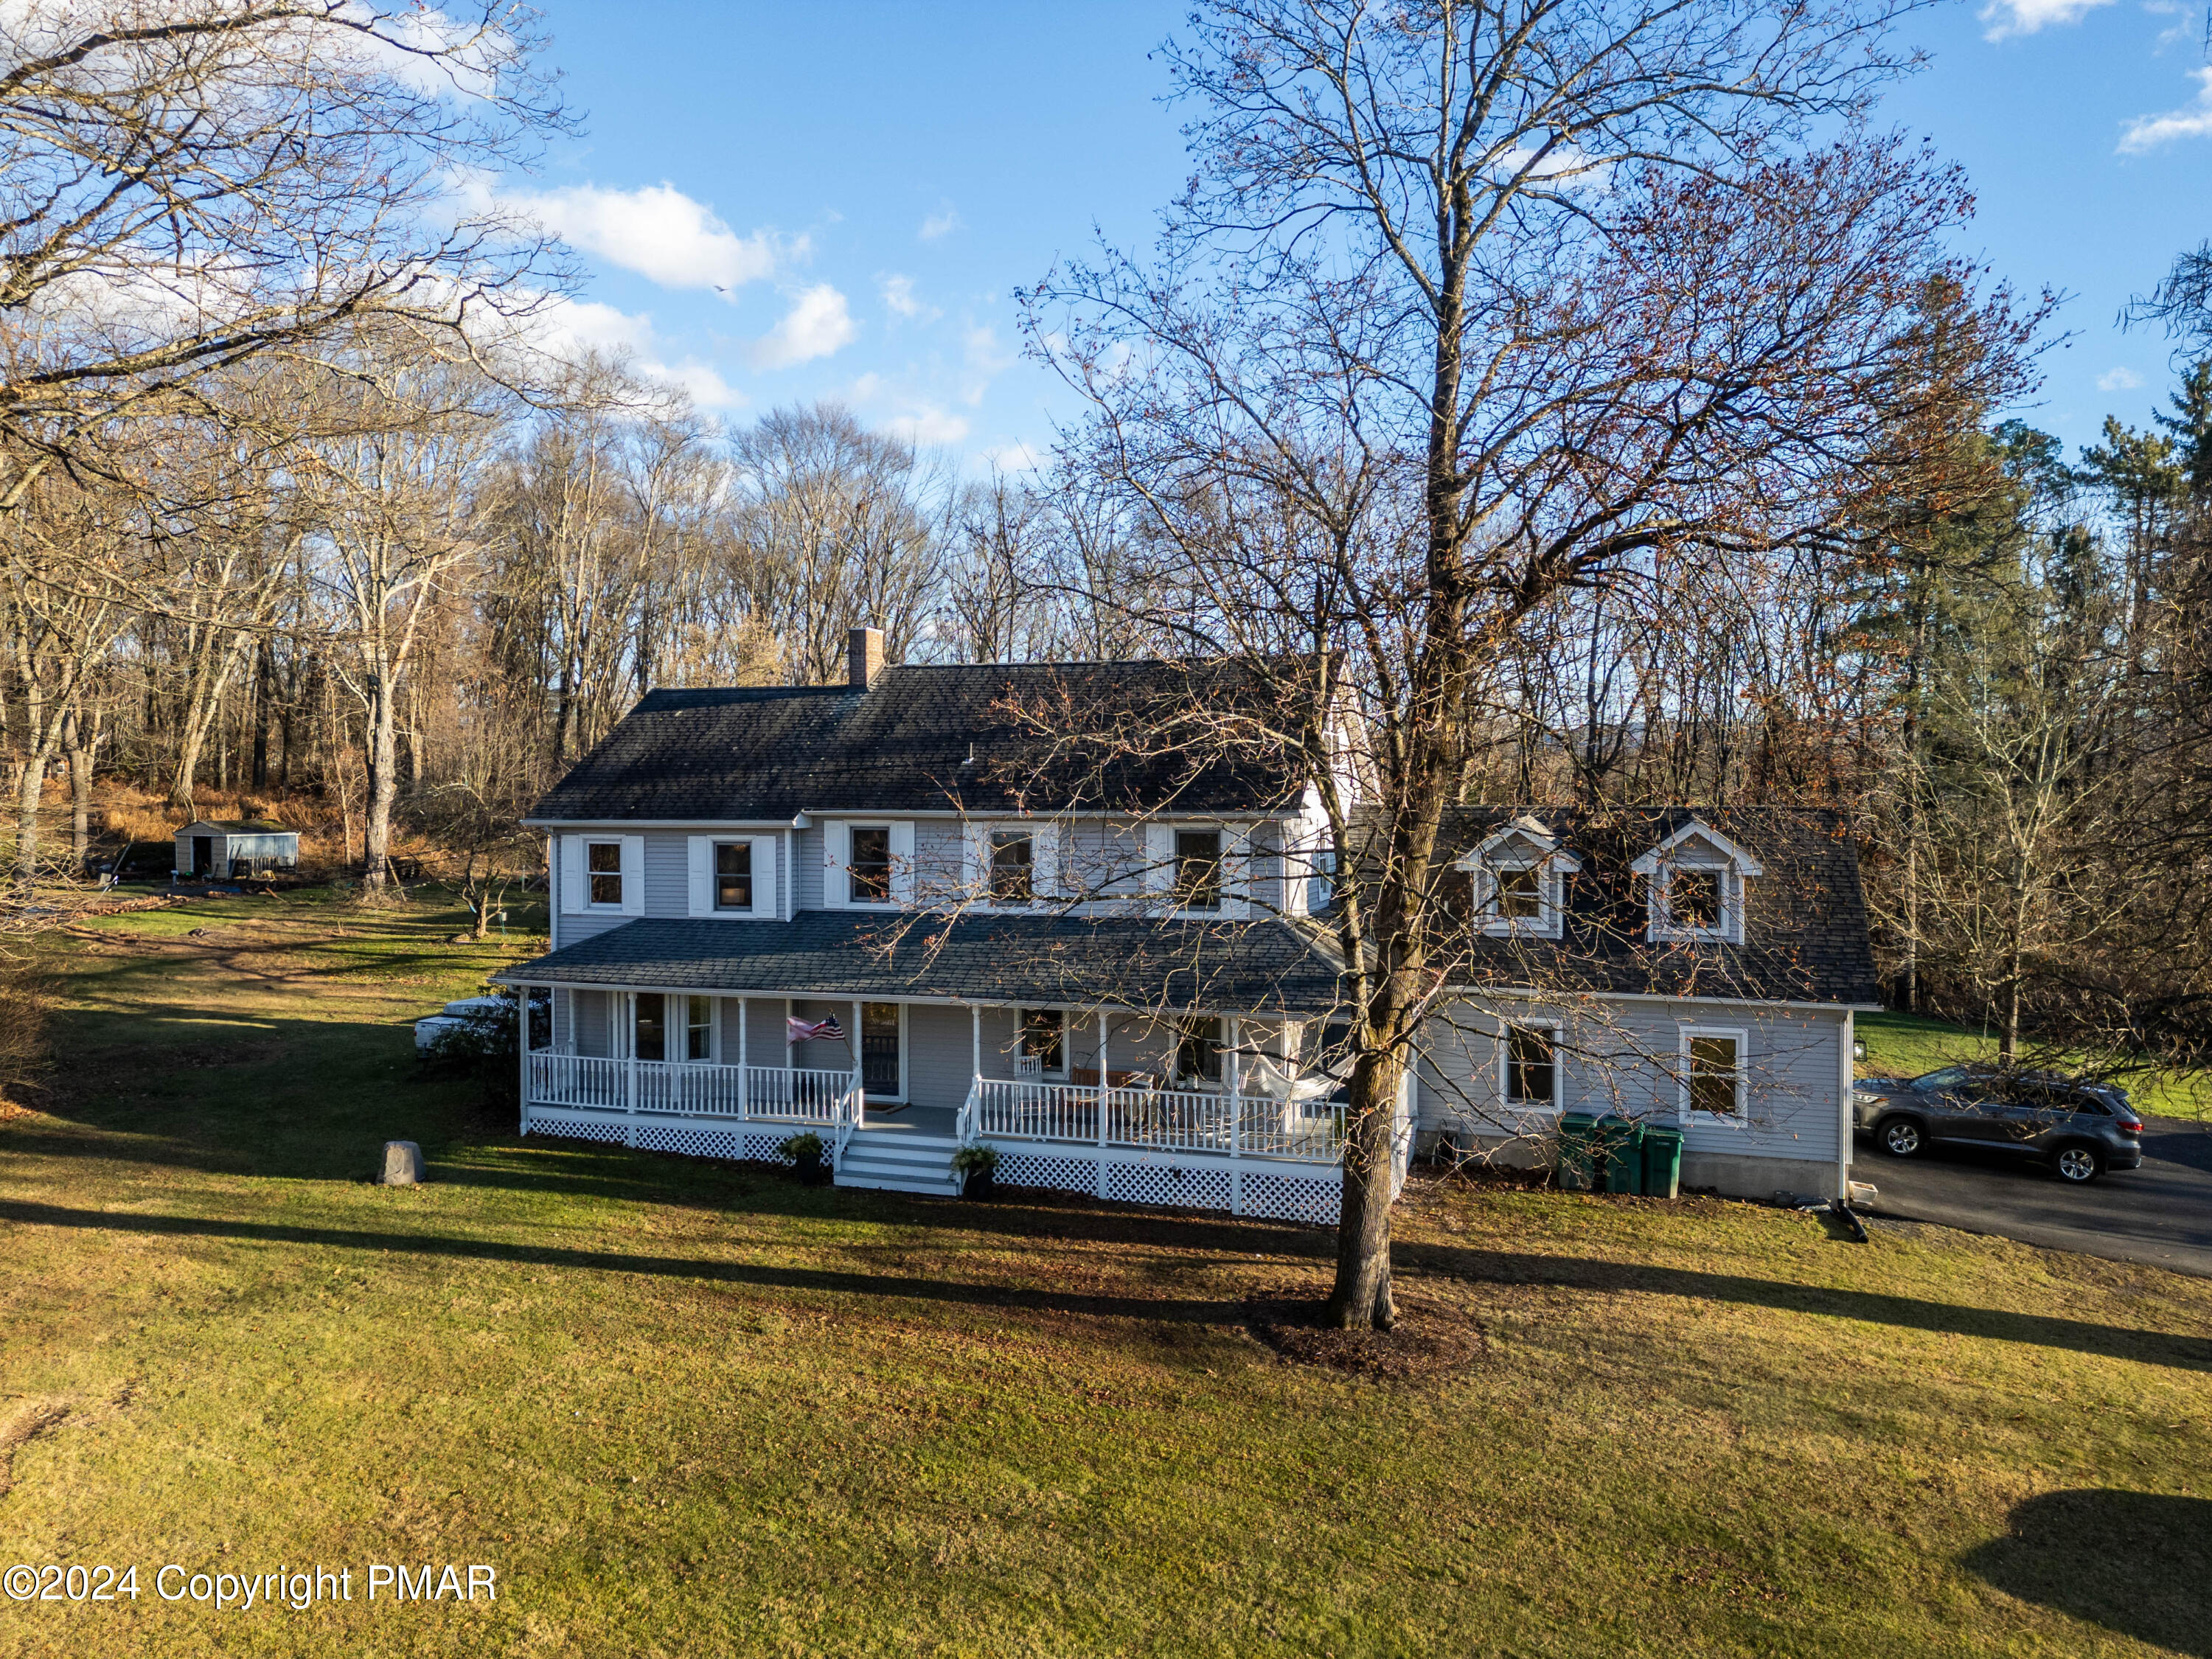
(618, 905)
(714, 846)
(1551, 1024)
(1523, 844)
(853, 899)
(1736, 865)
(1684, 1113)
(1067, 1033)
(991, 898)
(713, 1028)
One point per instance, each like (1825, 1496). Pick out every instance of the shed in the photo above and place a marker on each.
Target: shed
(229, 848)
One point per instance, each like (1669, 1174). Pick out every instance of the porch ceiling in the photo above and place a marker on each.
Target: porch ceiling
(1266, 966)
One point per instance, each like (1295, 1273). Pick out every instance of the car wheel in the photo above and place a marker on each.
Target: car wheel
(2078, 1163)
(1900, 1137)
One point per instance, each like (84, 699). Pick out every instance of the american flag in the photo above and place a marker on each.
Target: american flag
(813, 1030)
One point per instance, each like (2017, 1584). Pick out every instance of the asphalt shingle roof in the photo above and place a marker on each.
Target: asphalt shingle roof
(1805, 925)
(767, 753)
(1124, 961)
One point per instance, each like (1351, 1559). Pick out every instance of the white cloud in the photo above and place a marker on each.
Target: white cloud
(2008, 18)
(567, 329)
(943, 222)
(984, 359)
(816, 325)
(657, 232)
(709, 390)
(898, 294)
(1017, 457)
(928, 426)
(2118, 379)
(2147, 131)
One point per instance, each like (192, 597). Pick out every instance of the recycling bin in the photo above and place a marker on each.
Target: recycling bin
(1662, 1161)
(1577, 1172)
(1617, 1153)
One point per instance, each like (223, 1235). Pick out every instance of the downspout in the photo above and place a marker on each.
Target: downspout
(1844, 1081)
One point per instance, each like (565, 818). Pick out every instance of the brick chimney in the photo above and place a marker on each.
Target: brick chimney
(864, 657)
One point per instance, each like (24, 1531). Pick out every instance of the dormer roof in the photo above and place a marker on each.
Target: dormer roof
(1526, 836)
(1692, 834)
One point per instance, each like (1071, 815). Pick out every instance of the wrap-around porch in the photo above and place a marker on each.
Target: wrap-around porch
(1211, 1111)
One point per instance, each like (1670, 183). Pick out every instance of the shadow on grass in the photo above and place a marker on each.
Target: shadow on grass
(2138, 1564)
(2148, 1347)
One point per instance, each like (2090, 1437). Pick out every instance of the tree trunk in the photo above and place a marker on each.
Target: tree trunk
(383, 782)
(1361, 1299)
(80, 747)
(29, 788)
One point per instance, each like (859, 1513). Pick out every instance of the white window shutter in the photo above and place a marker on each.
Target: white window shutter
(902, 840)
(836, 856)
(574, 893)
(1237, 869)
(1044, 862)
(700, 856)
(764, 876)
(975, 863)
(1159, 857)
(632, 874)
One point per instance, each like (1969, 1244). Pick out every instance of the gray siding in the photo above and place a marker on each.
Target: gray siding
(1619, 1055)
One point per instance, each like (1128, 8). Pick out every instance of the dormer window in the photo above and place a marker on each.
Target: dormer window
(1696, 880)
(1517, 880)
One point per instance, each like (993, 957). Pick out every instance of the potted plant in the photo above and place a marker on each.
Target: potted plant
(977, 1168)
(805, 1152)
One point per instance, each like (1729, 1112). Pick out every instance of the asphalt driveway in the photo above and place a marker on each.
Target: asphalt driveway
(2160, 1214)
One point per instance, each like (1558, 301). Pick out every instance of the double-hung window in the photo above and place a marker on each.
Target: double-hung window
(1530, 1059)
(1713, 1080)
(1044, 1039)
(602, 863)
(871, 864)
(1198, 1050)
(699, 1028)
(1012, 880)
(1198, 869)
(733, 876)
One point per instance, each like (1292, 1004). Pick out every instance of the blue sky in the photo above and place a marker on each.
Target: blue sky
(779, 203)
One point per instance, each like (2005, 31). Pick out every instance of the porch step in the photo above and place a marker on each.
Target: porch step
(899, 1161)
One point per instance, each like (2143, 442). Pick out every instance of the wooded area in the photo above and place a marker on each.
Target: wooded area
(1624, 435)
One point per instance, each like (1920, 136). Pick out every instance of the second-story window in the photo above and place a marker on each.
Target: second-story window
(603, 860)
(733, 875)
(1694, 898)
(1010, 880)
(1520, 895)
(1198, 869)
(871, 864)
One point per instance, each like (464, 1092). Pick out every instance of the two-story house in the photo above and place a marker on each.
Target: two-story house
(887, 912)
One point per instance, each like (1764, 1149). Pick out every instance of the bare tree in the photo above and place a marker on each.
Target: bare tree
(1469, 307)
(190, 186)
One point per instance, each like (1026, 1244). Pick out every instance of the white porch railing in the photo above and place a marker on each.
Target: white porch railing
(1174, 1120)
(691, 1089)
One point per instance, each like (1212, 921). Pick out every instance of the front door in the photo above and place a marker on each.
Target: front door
(879, 1051)
(203, 855)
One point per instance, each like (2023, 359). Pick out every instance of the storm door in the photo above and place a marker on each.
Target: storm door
(881, 1072)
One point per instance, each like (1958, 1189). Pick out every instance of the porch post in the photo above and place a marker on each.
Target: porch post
(1235, 1079)
(976, 1018)
(787, 1033)
(522, 1044)
(744, 1106)
(856, 1043)
(1105, 1096)
(629, 1052)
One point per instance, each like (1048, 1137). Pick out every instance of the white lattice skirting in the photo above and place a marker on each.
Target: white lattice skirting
(762, 1142)
(1237, 1188)
(1277, 1192)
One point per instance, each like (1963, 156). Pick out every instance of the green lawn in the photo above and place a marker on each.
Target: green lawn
(688, 1408)
(1905, 1045)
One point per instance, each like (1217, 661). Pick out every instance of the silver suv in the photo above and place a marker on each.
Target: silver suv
(2081, 1129)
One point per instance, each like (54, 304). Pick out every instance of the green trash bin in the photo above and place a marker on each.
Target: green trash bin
(1578, 1174)
(1618, 1151)
(1662, 1161)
